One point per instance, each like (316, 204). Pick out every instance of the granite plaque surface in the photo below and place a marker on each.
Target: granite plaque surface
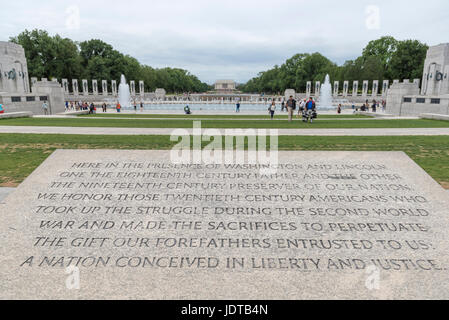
(108, 224)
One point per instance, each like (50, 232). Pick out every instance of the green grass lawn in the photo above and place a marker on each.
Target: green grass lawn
(205, 116)
(222, 124)
(20, 154)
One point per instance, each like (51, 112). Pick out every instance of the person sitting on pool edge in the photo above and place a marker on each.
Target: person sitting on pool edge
(187, 110)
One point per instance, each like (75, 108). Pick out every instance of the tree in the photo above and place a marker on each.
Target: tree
(383, 49)
(408, 60)
(49, 57)
(385, 58)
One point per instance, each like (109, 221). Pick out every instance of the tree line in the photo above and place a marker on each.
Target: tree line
(62, 58)
(382, 59)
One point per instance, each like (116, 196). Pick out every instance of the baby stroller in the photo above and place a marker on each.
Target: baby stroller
(309, 115)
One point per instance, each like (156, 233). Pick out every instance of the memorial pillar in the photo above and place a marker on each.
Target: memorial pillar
(365, 88)
(141, 88)
(85, 87)
(385, 86)
(355, 88)
(309, 89)
(104, 87)
(336, 88)
(345, 88)
(95, 87)
(132, 86)
(375, 88)
(114, 87)
(317, 89)
(75, 87)
(65, 86)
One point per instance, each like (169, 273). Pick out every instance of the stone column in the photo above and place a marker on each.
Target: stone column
(365, 88)
(345, 88)
(85, 87)
(104, 86)
(385, 86)
(114, 87)
(317, 89)
(336, 88)
(355, 88)
(375, 88)
(95, 87)
(308, 89)
(65, 86)
(132, 86)
(141, 88)
(75, 87)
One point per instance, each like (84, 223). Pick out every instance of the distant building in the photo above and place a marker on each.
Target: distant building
(225, 86)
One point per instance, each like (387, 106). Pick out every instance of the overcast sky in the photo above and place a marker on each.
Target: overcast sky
(230, 39)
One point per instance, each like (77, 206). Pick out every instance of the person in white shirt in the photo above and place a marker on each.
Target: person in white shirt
(45, 107)
(272, 109)
(302, 106)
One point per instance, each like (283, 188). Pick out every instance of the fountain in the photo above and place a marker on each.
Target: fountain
(325, 101)
(124, 96)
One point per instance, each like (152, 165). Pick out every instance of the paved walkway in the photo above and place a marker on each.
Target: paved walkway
(192, 118)
(282, 132)
(4, 192)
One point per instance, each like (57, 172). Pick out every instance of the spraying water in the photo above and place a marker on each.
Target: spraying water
(326, 95)
(124, 96)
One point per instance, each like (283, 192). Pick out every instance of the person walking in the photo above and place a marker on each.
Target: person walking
(141, 106)
(301, 108)
(339, 109)
(118, 107)
(291, 106)
(45, 108)
(282, 105)
(272, 109)
(237, 107)
(374, 106)
(1, 109)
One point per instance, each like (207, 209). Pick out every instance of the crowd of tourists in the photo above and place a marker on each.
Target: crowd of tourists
(375, 106)
(71, 106)
(306, 109)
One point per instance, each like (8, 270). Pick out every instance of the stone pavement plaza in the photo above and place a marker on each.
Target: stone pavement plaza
(130, 225)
